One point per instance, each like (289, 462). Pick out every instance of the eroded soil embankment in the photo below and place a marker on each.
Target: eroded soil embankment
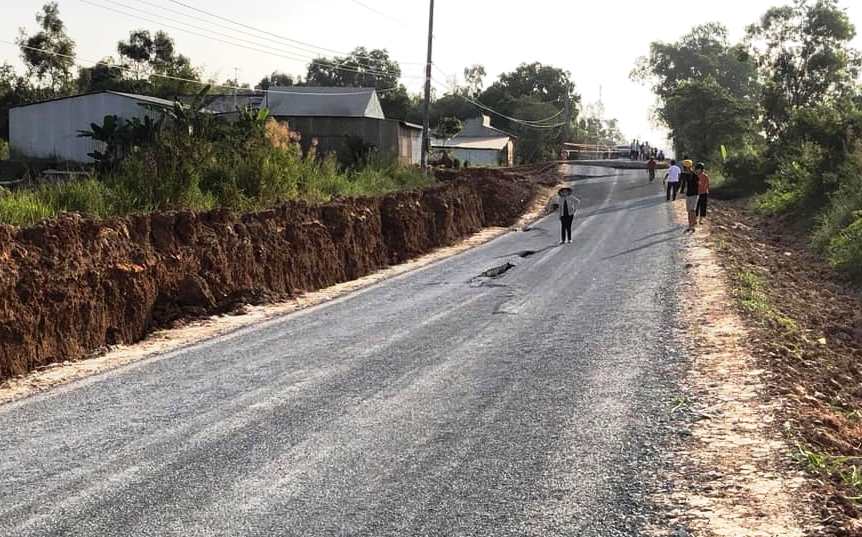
(74, 285)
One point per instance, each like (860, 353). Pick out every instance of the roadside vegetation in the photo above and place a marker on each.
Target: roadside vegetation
(779, 114)
(779, 117)
(190, 159)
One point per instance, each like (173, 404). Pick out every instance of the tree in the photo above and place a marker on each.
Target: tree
(277, 79)
(533, 93)
(153, 57)
(542, 82)
(368, 69)
(448, 127)
(804, 54)
(707, 90)
(474, 77)
(50, 54)
(106, 75)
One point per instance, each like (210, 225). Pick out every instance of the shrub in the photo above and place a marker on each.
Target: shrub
(845, 249)
(4, 149)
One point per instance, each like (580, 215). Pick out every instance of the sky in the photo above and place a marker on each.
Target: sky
(598, 42)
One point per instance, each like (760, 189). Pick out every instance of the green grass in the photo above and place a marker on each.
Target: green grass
(750, 292)
(848, 470)
(241, 187)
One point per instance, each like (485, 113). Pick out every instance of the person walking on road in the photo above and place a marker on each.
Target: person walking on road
(690, 187)
(651, 166)
(702, 190)
(566, 205)
(671, 179)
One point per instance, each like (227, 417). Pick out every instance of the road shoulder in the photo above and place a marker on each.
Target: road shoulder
(732, 476)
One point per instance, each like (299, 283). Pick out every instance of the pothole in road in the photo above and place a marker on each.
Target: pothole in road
(498, 271)
(526, 253)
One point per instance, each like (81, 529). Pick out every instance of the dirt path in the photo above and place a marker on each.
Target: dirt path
(733, 477)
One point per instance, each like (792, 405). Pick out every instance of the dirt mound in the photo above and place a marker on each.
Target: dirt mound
(73, 285)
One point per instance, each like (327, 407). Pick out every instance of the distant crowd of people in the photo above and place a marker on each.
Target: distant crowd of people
(644, 151)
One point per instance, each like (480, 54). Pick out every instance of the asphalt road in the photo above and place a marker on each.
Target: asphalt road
(440, 402)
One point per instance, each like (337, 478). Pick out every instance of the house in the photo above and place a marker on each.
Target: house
(49, 129)
(331, 117)
(479, 144)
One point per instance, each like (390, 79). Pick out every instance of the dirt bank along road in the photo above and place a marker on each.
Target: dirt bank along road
(441, 402)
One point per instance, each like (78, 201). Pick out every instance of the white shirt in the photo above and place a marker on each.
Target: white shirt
(569, 200)
(673, 174)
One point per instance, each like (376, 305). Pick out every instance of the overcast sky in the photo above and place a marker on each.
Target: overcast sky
(598, 42)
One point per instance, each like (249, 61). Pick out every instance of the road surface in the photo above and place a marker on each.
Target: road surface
(441, 402)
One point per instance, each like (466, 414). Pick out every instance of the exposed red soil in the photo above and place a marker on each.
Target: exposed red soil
(73, 285)
(815, 361)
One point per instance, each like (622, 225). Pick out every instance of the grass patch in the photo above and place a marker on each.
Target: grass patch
(848, 470)
(751, 295)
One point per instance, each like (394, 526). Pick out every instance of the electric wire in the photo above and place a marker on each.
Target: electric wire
(298, 45)
(193, 81)
(290, 56)
(537, 124)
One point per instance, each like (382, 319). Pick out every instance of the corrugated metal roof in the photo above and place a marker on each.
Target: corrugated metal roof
(324, 102)
(141, 98)
(497, 143)
(144, 98)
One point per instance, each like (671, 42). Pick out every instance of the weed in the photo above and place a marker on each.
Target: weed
(753, 299)
(848, 470)
(679, 402)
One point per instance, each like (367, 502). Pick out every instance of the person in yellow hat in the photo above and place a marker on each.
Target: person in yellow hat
(689, 182)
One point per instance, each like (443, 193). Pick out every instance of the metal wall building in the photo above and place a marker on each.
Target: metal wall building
(49, 129)
(331, 115)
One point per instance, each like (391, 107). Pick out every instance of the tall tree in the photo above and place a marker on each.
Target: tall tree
(533, 92)
(364, 68)
(804, 53)
(707, 90)
(474, 80)
(154, 57)
(49, 54)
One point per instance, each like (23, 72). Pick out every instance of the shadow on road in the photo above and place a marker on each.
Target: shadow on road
(641, 247)
(645, 203)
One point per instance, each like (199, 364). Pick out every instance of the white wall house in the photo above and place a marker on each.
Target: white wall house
(479, 144)
(49, 129)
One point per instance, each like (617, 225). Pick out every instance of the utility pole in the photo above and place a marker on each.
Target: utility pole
(426, 124)
(235, 84)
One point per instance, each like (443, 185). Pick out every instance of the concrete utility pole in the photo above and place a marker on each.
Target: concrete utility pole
(426, 124)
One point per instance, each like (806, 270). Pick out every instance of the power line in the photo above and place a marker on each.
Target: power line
(193, 81)
(271, 34)
(535, 124)
(378, 12)
(257, 43)
(305, 48)
(290, 56)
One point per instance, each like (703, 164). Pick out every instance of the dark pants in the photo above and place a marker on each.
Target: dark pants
(701, 205)
(672, 189)
(651, 176)
(566, 227)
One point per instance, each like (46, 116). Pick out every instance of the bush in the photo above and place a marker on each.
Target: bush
(247, 165)
(745, 174)
(845, 249)
(4, 149)
(797, 183)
